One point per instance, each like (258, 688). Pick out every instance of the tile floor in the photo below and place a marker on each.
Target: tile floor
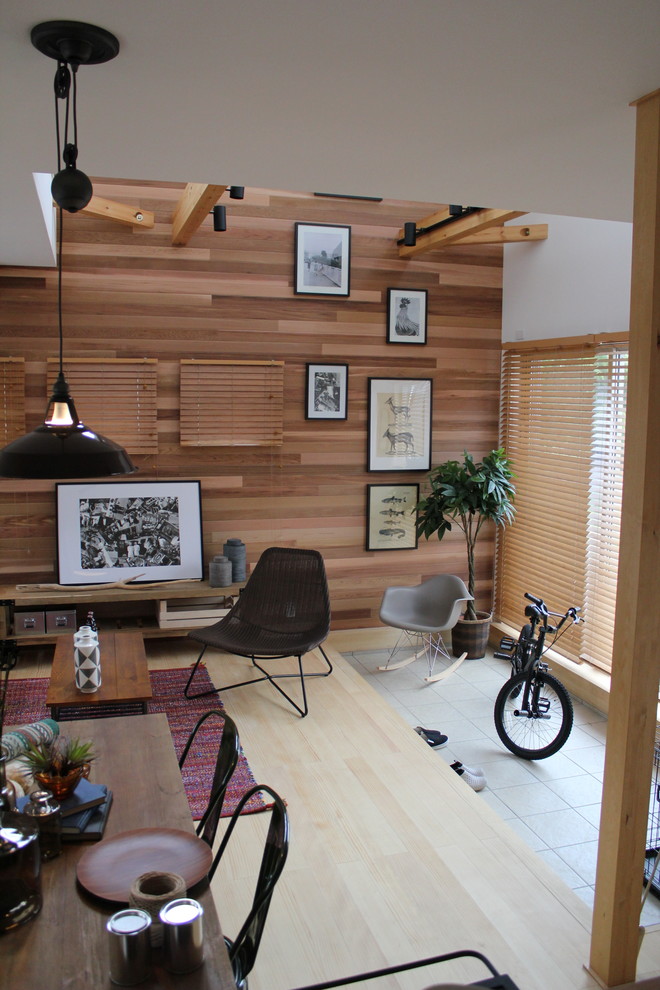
(553, 804)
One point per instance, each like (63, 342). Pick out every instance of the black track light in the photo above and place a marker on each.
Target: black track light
(410, 233)
(237, 192)
(219, 218)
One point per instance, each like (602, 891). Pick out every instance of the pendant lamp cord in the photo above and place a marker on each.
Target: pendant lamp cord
(62, 88)
(60, 219)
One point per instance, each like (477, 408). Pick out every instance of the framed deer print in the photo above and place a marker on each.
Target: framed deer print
(391, 517)
(399, 424)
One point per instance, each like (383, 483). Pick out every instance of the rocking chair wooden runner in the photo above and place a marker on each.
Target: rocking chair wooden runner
(422, 613)
(283, 611)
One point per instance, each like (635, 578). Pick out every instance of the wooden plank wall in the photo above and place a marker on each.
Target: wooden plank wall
(230, 295)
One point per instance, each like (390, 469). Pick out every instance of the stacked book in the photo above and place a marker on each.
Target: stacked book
(84, 813)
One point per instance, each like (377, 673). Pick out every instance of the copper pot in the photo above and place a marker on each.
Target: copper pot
(61, 786)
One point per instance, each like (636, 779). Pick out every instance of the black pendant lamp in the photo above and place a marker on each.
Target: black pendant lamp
(63, 447)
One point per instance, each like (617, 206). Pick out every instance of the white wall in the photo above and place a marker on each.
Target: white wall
(575, 282)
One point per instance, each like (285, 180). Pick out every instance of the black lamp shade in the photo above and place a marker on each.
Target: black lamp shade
(71, 189)
(73, 453)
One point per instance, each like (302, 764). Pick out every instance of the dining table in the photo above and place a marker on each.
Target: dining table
(66, 945)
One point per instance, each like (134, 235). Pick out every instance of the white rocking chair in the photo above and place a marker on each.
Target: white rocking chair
(422, 612)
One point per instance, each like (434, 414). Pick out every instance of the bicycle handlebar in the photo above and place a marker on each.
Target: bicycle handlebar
(571, 613)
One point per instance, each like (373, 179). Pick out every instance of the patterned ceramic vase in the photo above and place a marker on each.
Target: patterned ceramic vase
(87, 660)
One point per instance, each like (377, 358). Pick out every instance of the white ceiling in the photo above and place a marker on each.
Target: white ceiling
(504, 103)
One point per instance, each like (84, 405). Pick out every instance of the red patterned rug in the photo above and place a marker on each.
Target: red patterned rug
(26, 702)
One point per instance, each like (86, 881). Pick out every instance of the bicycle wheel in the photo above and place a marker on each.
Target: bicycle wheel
(535, 736)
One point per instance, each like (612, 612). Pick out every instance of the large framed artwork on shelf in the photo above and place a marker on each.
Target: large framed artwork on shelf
(129, 531)
(399, 424)
(391, 517)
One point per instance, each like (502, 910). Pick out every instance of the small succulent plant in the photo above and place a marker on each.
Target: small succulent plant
(59, 756)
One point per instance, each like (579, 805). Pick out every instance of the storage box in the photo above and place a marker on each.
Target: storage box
(184, 613)
(30, 622)
(62, 618)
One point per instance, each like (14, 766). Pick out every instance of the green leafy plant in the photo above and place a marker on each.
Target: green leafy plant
(59, 756)
(468, 494)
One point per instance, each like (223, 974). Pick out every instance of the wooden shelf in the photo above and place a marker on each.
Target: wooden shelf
(73, 596)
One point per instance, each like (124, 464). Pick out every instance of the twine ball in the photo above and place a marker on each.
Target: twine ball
(152, 891)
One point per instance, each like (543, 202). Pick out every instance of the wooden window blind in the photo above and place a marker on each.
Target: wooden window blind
(116, 397)
(562, 424)
(12, 397)
(232, 403)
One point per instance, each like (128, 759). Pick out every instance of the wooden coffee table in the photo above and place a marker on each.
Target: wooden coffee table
(124, 676)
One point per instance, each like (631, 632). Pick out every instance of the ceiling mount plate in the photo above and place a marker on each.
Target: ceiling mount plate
(74, 42)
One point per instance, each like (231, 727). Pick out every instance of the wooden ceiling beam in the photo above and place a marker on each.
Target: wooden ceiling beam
(508, 235)
(197, 201)
(119, 212)
(455, 231)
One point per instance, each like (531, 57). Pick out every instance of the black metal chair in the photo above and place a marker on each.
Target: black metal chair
(243, 949)
(283, 611)
(225, 764)
(497, 981)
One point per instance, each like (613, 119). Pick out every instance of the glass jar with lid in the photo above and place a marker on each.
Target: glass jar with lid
(44, 810)
(20, 870)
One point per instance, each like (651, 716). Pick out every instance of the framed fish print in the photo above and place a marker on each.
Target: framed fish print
(391, 517)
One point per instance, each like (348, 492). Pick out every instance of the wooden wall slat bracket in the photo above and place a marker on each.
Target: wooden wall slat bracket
(131, 215)
(456, 231)
(197, 201)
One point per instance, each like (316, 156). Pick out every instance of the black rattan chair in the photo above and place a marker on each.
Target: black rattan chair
(497, 981)
(225, 764)
(243, 949)
(283, 611)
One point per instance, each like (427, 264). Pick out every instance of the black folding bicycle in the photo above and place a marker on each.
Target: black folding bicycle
(533, 710)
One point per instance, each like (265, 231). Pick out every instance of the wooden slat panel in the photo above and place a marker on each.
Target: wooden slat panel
(115, 397)
(563, 419)
(232, 403)
(12, 399)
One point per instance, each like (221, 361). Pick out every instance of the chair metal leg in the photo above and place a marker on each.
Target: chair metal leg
(268, 677)
(200, 694)
(430, 645)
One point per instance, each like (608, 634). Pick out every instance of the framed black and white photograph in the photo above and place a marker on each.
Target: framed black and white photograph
(399, 424)
(406, 316)
(323, 259)
(391, 517)
(129, 530)
(326, 394)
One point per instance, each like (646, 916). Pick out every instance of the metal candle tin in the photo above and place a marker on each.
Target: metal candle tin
(130, 947)
(183, 935)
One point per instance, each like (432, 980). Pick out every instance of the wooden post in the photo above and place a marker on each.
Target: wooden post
(636, 651)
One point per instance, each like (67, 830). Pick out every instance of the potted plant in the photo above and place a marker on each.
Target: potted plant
(59, 764)
(468, 494)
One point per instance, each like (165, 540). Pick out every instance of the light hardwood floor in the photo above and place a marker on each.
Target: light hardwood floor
(392, 855)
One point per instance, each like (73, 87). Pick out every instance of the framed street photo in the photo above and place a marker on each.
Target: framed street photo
(391, 517)
(327, 391)
(406, 316)
(137, 530)
(323, 259)
(399, 424)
